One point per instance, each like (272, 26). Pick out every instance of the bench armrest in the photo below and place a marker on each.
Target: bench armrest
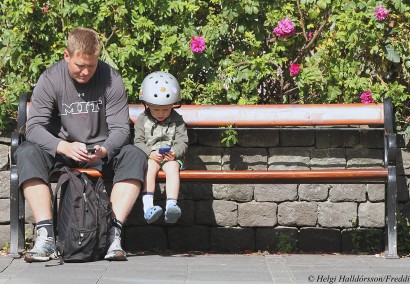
(18, 135)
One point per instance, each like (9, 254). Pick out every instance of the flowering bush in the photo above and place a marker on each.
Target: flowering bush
(345, 48)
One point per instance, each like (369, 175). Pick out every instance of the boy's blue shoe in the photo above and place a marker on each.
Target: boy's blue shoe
(172, 214)
(152, 214)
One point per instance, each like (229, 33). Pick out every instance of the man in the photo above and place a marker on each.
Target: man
(79, 103)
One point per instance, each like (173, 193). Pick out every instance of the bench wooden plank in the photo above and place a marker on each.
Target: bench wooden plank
(271, 176)
(274, 115)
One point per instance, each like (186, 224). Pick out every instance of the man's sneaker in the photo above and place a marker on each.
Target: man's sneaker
(44, 248)
(115, 252)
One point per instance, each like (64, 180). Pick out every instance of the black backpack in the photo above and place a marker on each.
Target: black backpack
(83, 217)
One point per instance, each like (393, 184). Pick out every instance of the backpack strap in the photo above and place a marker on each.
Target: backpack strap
(65, 175)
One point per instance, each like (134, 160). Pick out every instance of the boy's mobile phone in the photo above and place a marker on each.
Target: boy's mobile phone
(164, 150)
(90, 150)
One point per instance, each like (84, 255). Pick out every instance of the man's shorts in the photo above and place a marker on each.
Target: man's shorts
(34, 162)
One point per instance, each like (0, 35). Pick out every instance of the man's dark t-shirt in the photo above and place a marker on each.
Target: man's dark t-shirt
(92, 113)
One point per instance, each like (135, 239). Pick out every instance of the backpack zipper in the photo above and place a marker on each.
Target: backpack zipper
(85, 197)
(85, 201)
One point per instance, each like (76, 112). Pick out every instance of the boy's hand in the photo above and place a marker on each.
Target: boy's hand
(170, 156)
(156, 156)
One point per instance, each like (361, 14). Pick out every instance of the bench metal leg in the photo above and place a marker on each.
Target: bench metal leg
(391, 214)
(17, 215)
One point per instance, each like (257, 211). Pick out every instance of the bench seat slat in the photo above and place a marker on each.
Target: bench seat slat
(291, 176)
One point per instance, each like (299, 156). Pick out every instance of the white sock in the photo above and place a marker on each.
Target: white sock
(171, 202)
(148, 201)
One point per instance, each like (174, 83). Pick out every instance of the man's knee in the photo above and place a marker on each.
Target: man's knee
(27, 149)
(34, 183)
(130, 163)
(135, 152)
(32, 163)
(131, 155)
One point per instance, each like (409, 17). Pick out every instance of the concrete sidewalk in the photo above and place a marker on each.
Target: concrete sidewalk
(214, 268)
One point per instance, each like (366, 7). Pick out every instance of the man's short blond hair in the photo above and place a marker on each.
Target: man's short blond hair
(84, 41)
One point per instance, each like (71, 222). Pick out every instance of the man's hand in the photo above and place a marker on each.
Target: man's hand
(100, 152)
(78, 151)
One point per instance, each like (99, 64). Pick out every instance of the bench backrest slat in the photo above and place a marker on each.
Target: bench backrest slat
(275, 115)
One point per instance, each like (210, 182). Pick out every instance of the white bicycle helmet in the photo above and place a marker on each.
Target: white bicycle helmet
(160, 88)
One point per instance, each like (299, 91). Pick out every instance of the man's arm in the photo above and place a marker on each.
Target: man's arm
(117, 118)
(40, 116)
(40, 122)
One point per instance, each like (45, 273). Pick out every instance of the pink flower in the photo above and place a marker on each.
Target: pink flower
(310, 35)
(44, 9)
(366, 97)
(197, 44)
(294, 69)
(381, 13)
(285, 28)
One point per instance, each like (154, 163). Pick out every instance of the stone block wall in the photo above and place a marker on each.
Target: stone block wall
(264, 217)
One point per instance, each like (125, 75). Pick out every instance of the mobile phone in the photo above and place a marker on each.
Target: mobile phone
(90, 150)
(164, 150)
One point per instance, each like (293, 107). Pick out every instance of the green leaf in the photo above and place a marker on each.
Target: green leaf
(333, 93)
(392, 54)
(107, 59)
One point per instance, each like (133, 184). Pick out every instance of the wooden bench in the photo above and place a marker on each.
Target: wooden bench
(323, 117)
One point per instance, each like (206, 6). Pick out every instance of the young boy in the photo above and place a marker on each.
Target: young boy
(161, 133)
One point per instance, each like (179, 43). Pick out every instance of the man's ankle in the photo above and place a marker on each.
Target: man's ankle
(48, 225)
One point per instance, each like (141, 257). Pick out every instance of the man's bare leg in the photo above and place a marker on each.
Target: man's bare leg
(123, 197)
(38, 196)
